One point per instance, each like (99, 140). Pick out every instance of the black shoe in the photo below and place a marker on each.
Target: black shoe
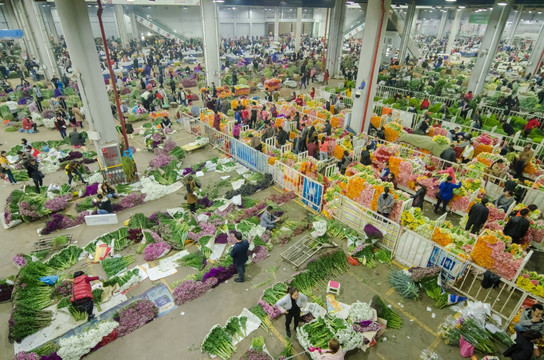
(238, 280)
(90, 318)
(288, 332)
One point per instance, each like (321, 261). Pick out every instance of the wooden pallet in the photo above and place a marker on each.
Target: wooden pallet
(45, 244)
(301, 251)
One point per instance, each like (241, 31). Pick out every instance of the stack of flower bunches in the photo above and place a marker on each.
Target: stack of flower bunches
(30, 296)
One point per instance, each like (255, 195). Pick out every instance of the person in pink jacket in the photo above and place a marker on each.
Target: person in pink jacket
(29, 125)
(334, 352)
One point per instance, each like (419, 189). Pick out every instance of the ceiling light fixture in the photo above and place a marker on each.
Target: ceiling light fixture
(462, 7)
(451, 0)
(502, 3)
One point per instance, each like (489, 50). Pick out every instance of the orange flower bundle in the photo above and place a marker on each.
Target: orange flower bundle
(355, 186)
(481, 148)
(308, 167)
(202, 117)
(338, 152)
(279, 122)
(271, 160)
(335, 121)
(530, 168)
(292, 135)
(441, 237)
(394, 164)
(484, 160)
(481, 253)
(376, 121)
(390, 134)
(378, 190)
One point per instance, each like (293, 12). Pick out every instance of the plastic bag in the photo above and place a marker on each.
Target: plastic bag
(466, 349)
(49, 280)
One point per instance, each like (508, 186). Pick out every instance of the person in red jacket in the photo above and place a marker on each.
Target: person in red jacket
(424, 104)
(29, 125)
(82, 295)
(531, 124)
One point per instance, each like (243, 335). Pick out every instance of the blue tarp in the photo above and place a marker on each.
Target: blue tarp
(11, 34)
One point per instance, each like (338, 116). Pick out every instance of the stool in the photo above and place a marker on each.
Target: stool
(333, 287)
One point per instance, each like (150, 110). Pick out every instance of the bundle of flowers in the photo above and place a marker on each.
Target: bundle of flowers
(531, 282)
(74, 347)
(495, 251)
(58, 203)
(221, 274)
(480, 148)
(19, 260)
(441, 140)
(381, 155)
(536, 231)
(62, 222)
(405, 170)
(471, 331)
(259, 253)
(132, 200)
(136, 315)
(412, 218)
(156, 250)
(442, 236)
(419, 274)
(160, 161)
(459, 203)
(366, 196)
(495, 213)
(191, 289)
(392, 131)
(22, 355)
(438, 131)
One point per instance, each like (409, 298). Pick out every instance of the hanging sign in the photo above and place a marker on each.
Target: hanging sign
(478, 19)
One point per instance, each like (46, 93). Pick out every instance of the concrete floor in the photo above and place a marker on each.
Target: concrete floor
(179, 336)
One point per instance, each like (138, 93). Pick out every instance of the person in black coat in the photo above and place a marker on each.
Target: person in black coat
(282, 136)
(517, 226)
(419, 196)
(477, 216)
(523, 349)
(239, 255)
(327, 129)
(34, 173)
(507, 128)
(365, 157)
(449, 154)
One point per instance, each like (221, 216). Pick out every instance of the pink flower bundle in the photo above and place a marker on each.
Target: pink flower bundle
(22, 355)
(169, 145)
(405, 171)
(493, 225)
(440, 131)
(19, 260)
(160, 161)
(432, 186)
(460, 204)
(395, 211)
(536, 234)
(136, 315)
(495, 214)
(272, 310)
(231, 239)
(382, 155)
(132, 200)
(156, 237)
(156, 250)
(29, 211)
(59, 203)
(191, 289)
(366, 196)
(484, 139)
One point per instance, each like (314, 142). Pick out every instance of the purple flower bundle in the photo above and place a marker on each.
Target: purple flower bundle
(225, 212)
(24, 101)
(62, 290)
(135, 235)
(160, 161)
(365, 326)
(29, 211)
(59, 203)
(156, 250)
(132, 200)
(91, 190)
(19, 260)
(72, 155)
(169, 145)
(60, 222)
(52, 356)
(360, 248)
(221, 238)
(373, 232)
(419, 274)
(252, 211)
(205, 201)
(260, 253)
(283, 198)
(191, 289)
(156, 137)
(156, 237)
(136, 315)
(21, 355)
(220, 273)
(253, 354)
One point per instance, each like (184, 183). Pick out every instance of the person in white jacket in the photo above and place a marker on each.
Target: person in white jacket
(290, 305)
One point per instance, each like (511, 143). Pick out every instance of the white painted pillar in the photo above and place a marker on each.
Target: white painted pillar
(442, 25)
(209, 12)
(407, 31)
(414, 22)
(369, 63)
(76, 25)
(37, 34)
(335, 38)
(488, 46)
(46, 11)
(298, 29)
(537, 55)
(11, 19)
(515, 24)
(133, 23)
(454, 30)
(276, 23)
(121, 27)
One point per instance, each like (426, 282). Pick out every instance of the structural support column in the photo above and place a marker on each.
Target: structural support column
(515, 25)
(277, 23)
(537, 55)
(407, 31)
(454, 30)
(121, 26)
(298, 29)
(50, 22)
(75, 22)
(11, 19)
(209, 12)
(488, 46)
(133, 23)
(37, 34)
(442, 25)
(414, 22)
(335, 39)
(369, 63)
